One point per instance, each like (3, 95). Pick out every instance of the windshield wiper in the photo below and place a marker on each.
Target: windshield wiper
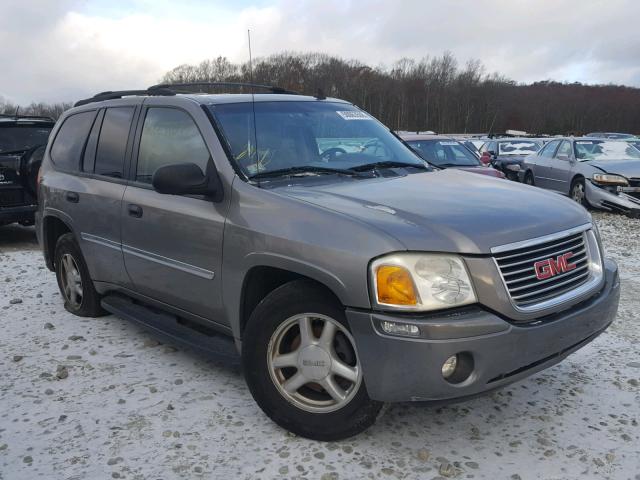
(387, 164)
(280, 172)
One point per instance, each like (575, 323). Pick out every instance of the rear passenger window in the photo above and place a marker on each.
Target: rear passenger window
(70, 140)
(169, 136)
(112, 143)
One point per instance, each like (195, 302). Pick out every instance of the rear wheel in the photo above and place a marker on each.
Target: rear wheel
(80, 296)
(302, 367)
(578, 192)
(528, 178)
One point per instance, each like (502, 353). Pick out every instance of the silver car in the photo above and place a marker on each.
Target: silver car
(595, 172)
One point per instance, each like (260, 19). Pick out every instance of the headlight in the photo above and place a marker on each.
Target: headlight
(420, 282)
(514, 167)
(608, 179)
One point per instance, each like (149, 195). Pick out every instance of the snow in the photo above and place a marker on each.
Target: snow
(132, 408)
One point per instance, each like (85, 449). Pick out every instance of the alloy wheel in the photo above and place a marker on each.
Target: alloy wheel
(577, 194)
(313, 363)
(71, 280)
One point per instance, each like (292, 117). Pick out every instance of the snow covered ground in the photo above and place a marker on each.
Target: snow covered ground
(100, 398)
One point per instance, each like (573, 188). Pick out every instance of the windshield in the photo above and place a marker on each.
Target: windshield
(445, 153)
(291, 135)
(518, 147)
(21, 137)
(587, 150)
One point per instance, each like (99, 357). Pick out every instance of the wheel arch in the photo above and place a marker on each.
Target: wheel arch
(262, 279)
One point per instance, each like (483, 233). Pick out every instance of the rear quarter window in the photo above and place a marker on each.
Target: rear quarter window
(112, 144)
(67, 147)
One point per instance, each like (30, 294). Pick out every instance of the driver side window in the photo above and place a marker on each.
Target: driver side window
(564, 151)
(169, 136)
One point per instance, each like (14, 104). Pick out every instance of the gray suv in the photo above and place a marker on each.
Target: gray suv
(303, 237)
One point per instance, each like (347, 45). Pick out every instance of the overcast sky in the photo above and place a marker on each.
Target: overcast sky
(62, 50)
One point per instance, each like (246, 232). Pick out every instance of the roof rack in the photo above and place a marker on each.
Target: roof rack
(99, 97)
(182, 86)
(169, 89)
(26, 117)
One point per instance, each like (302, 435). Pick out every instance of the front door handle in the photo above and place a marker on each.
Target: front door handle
(72, 197)
(134, 210)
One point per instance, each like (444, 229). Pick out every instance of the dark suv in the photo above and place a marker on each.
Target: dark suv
(301, 234)
(22, 142)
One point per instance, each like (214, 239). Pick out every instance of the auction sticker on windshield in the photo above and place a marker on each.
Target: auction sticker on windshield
(353, 115)
(449, 143)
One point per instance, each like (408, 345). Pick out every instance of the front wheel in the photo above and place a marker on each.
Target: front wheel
(578, 192)
(302, 366)
(528, 178)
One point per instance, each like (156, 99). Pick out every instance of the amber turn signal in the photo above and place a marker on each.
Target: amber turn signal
(395, 286)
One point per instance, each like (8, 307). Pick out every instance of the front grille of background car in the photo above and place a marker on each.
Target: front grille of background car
(518, 271)
(11, 197)
(634, 182)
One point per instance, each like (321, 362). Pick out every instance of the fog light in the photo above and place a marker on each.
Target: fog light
(402, 329)
(449, 367)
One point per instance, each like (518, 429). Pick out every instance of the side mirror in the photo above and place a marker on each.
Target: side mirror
(186, 179)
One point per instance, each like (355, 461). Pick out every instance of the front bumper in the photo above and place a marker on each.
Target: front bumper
(409, 369)
(621, 202)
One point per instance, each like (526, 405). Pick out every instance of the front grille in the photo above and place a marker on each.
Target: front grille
(11, 197)
(519, 274)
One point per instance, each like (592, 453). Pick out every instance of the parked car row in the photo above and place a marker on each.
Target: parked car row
(446, 152)
(301, 236)
(593, 171)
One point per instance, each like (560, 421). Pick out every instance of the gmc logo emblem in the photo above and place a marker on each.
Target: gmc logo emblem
(553, 266)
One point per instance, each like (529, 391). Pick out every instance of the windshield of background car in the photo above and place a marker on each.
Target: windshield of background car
(302, 133)
(588, 150)
(445, 153)
(635, 143)
(518, 147)
(22, 137)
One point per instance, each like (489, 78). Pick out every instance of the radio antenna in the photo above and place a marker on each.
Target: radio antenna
(253, 107)
(250, 59)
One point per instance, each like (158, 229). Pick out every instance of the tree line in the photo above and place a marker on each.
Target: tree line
(437, 93)
(434, 93)
(53, 110)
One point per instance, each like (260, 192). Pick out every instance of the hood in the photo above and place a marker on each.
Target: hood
(511, 158)
(627, 168)
(447, 210)
(492, 172)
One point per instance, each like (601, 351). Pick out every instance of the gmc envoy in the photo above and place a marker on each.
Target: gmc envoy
(300, 235)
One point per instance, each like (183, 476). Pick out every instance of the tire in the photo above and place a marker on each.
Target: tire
(76, 287)
(578, 192)
(308, 410)
(528, 178)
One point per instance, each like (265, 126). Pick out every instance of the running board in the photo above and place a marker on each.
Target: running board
(174, 329)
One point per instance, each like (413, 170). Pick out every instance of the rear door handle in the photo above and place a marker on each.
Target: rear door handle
(72, 197)
(134, 210)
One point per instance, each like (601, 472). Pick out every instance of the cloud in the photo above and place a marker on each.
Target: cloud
(68, 49)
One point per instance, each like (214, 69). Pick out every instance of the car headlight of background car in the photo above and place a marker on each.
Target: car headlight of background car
(420, 282)
(609, 180)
